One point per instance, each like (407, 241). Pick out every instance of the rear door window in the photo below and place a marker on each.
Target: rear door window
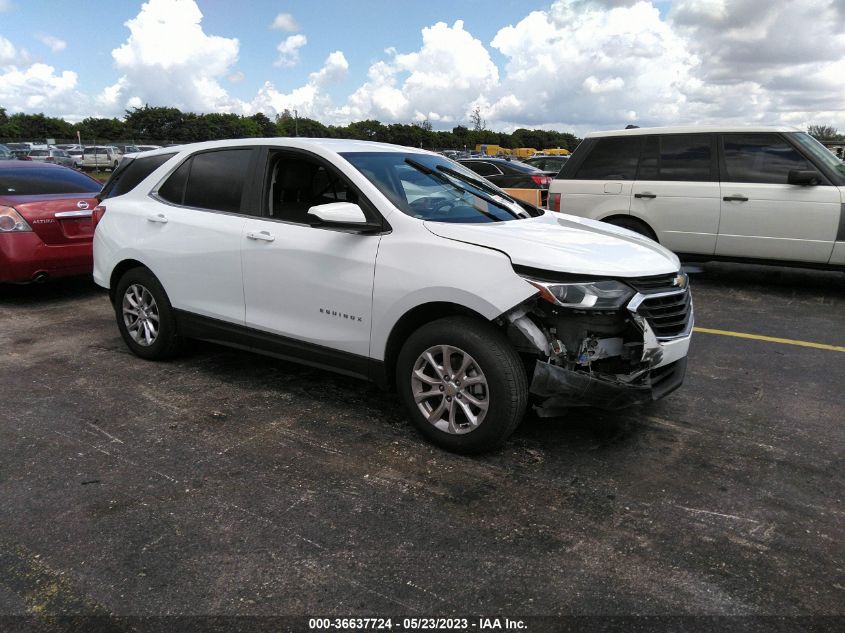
(211, 180)
(762, 158)
(612, 159)
(686, 157)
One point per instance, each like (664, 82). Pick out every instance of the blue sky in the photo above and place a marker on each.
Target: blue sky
(563, 64)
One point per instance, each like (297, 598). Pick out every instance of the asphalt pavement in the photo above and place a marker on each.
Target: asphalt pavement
(226, 483)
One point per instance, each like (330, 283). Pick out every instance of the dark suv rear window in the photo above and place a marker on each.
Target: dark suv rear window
(131, 172)
(611, 159)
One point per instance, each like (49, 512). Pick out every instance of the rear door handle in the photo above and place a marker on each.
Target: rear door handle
(160, 219)
(264, 236)
(735, 199)
(645, 195)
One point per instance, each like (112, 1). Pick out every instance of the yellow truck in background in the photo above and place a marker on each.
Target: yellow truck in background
(519, 152)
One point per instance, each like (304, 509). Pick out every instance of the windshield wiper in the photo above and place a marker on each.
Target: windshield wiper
(477, 182)
(430, 172)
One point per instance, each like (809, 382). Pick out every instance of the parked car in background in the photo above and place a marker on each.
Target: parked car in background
(764, 194)
(6, 153)
(549, 164)
(395, 265)
(55, 156)
(509, 174)
(100, 157)
(45, 221)
(68, 146)
(147, 148)
(76, 157)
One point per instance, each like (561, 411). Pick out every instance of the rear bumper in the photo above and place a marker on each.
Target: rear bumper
(24, 255)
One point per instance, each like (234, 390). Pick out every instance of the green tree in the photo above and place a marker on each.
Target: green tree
(92, 129)
(824, 132)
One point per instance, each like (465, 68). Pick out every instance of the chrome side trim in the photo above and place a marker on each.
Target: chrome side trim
(74, 214)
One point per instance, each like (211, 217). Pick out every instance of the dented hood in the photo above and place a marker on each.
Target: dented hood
(567, 244)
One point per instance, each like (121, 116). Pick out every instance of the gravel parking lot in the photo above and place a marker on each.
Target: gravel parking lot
(228, 483)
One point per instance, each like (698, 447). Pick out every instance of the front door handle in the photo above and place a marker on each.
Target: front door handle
(735, 199)
(159, 218)
(264, 236)
(645, 195)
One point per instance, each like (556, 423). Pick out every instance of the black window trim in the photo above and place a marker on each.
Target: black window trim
(245, 194)
(260, 184)
(826, 180)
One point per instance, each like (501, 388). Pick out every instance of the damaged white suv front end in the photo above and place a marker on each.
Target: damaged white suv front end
(608, 343)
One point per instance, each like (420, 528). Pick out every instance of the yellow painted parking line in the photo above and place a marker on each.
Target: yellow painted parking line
(771, 339)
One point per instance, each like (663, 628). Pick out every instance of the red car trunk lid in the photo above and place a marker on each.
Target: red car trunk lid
(57, 219)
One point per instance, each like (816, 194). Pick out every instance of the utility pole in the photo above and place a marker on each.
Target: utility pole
(295, 122)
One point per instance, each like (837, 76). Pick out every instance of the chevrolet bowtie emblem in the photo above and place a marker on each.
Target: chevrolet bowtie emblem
(680, 281)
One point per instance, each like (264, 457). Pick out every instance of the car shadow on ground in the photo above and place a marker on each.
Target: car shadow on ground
(580, 429)
(55, 291)
(795, 281)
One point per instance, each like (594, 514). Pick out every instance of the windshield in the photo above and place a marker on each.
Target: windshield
(434, 188)
(821, 154)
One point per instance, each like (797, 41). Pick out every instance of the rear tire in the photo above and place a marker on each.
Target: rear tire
(632, 224)
(145, 317)
(472, 417)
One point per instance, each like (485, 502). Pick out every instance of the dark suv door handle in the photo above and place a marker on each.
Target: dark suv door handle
(645, 195)
(735, 199)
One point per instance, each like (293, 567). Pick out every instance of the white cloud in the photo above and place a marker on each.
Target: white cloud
(8, 53)
(169, 60)
(285, 22)
(39, 88)
(5, 5)
(53, 43)
(309, 100)
(289, 50)
(236, 77)
(451, 70)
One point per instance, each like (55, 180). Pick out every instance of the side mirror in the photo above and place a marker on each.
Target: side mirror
(342, 215)
(803, 177)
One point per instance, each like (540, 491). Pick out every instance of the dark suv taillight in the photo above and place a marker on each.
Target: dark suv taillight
(542, 181)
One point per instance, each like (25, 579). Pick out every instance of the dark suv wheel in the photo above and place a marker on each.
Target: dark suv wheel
(463, 384)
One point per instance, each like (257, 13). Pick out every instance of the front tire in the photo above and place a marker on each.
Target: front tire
(635, 225)
(463, 384)
(145, 317)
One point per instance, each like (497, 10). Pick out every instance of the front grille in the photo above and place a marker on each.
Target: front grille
(655, 283)
(668, 315)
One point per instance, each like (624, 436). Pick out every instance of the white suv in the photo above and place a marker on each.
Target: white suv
(758, 194)
(394, 265)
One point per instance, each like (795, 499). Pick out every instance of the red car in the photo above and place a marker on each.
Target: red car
(45, 221)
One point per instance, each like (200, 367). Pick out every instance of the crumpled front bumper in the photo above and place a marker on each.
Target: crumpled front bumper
(557, 388)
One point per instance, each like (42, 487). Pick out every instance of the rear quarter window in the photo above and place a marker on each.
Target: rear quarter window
(611, 159)
(125, 178)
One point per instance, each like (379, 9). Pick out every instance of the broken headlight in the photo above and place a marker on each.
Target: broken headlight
(587, 295)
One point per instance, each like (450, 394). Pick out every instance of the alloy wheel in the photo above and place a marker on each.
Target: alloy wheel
(450, 389)
(140, 315)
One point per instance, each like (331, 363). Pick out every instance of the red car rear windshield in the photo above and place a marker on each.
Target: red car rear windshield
(34, 182)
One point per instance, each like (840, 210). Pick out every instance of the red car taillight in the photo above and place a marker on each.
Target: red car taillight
(554, 202)
(50, 159)
(97, 215)
(542, 181)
